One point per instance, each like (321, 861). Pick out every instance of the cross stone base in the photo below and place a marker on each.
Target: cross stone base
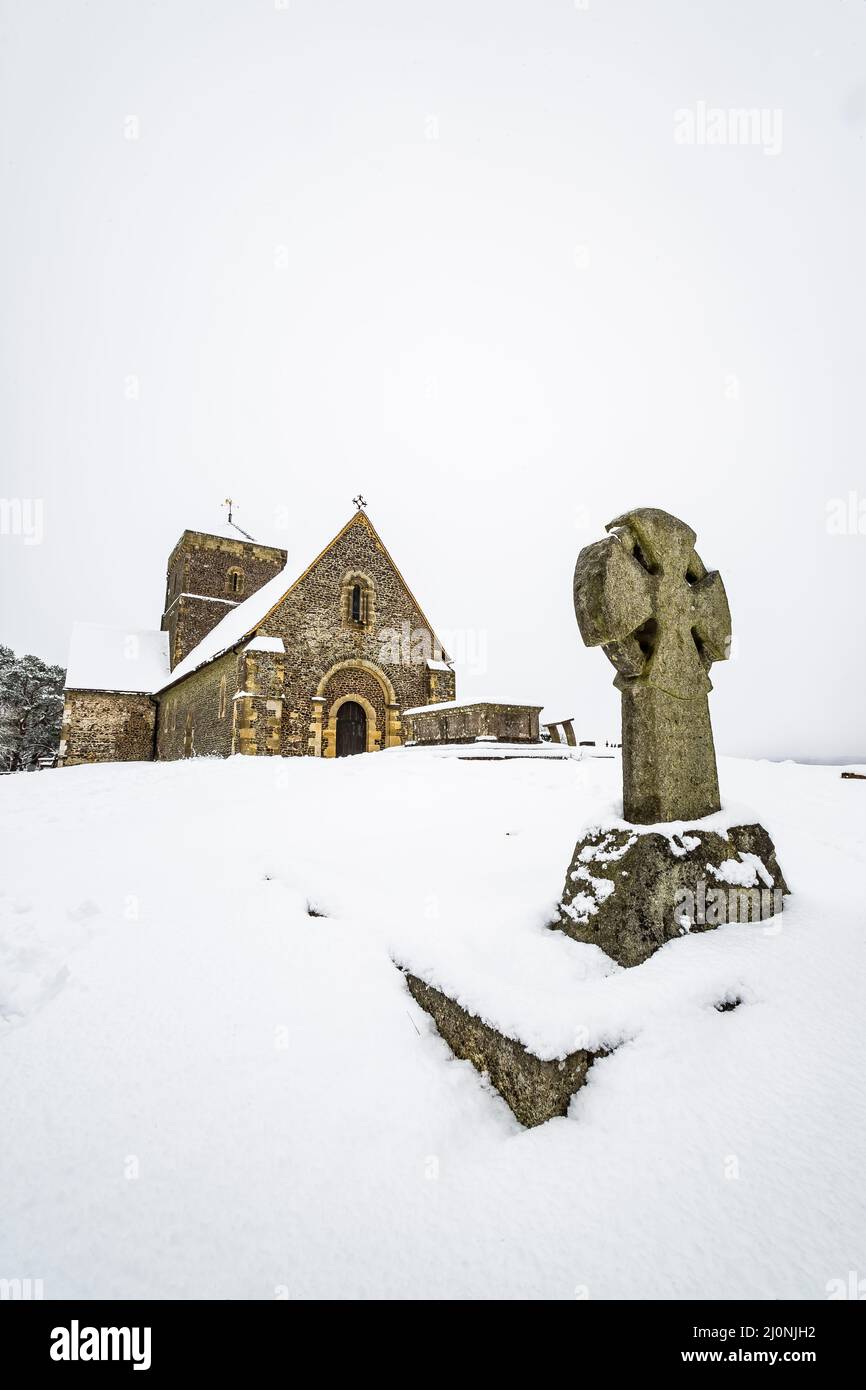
(629, 891)
(533, 1089)
(668, 759)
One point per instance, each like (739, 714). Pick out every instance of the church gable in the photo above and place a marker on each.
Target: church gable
(354, 635)
(353, 593)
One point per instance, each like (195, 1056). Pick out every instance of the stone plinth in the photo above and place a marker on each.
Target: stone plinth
(629, 891)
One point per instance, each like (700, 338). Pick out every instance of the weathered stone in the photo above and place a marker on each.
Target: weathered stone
(567, 726)
(467, 723)
(645, 597)
(629, 892)
(534, 1090)
(106, 725)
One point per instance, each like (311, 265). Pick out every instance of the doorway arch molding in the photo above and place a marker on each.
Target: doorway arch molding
(323, 725)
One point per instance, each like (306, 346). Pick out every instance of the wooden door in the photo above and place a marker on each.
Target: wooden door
(351, 729)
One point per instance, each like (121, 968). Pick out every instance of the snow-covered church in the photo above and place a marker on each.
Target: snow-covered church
(251, 660)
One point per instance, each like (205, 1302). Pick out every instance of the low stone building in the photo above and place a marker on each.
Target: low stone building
(247, 661)
(481, 721)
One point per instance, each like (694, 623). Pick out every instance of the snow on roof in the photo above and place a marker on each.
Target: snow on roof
(265, 644)
(115, 658)
(468, 704)
(232, 628)
(439, 666)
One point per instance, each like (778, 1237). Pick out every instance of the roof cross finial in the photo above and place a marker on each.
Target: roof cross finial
(360, 502)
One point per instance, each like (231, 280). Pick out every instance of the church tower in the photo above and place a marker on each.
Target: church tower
(206, 577)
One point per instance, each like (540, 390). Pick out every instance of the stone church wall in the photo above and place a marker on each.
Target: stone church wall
(103, 726)
(195, 716)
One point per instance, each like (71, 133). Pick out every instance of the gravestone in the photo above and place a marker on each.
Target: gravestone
(645, 597)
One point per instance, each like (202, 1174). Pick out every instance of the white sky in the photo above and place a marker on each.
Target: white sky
(453, 255)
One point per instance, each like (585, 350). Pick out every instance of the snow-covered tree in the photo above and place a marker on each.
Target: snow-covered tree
(31, 709)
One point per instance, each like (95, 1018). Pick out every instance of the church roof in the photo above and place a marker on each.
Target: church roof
(116, 659)
(241, 622)
(230, 631)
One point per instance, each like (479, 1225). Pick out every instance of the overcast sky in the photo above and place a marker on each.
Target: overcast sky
(484, 260)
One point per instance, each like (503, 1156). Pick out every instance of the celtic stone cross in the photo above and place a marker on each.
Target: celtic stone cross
(643, 595)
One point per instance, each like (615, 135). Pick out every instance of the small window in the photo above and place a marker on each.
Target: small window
(235, 581)
(222, 704)
(357, 601)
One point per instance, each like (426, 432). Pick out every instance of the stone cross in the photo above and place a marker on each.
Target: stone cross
(662, 619)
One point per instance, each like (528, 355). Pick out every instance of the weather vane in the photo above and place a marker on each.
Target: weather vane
(360, 502)
(229, 502)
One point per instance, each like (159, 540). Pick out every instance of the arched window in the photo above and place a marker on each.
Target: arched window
(357, 601)
(222, 703)
(235, 581)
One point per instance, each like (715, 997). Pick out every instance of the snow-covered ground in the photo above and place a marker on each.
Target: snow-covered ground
(209, 1092)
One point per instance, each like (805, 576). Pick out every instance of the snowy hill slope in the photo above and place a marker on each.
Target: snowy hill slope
(210, 1092)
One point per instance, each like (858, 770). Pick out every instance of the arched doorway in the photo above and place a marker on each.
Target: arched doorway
(366, 685)
(351, 729)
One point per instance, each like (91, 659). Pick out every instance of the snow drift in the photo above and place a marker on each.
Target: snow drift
(215, 1083)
